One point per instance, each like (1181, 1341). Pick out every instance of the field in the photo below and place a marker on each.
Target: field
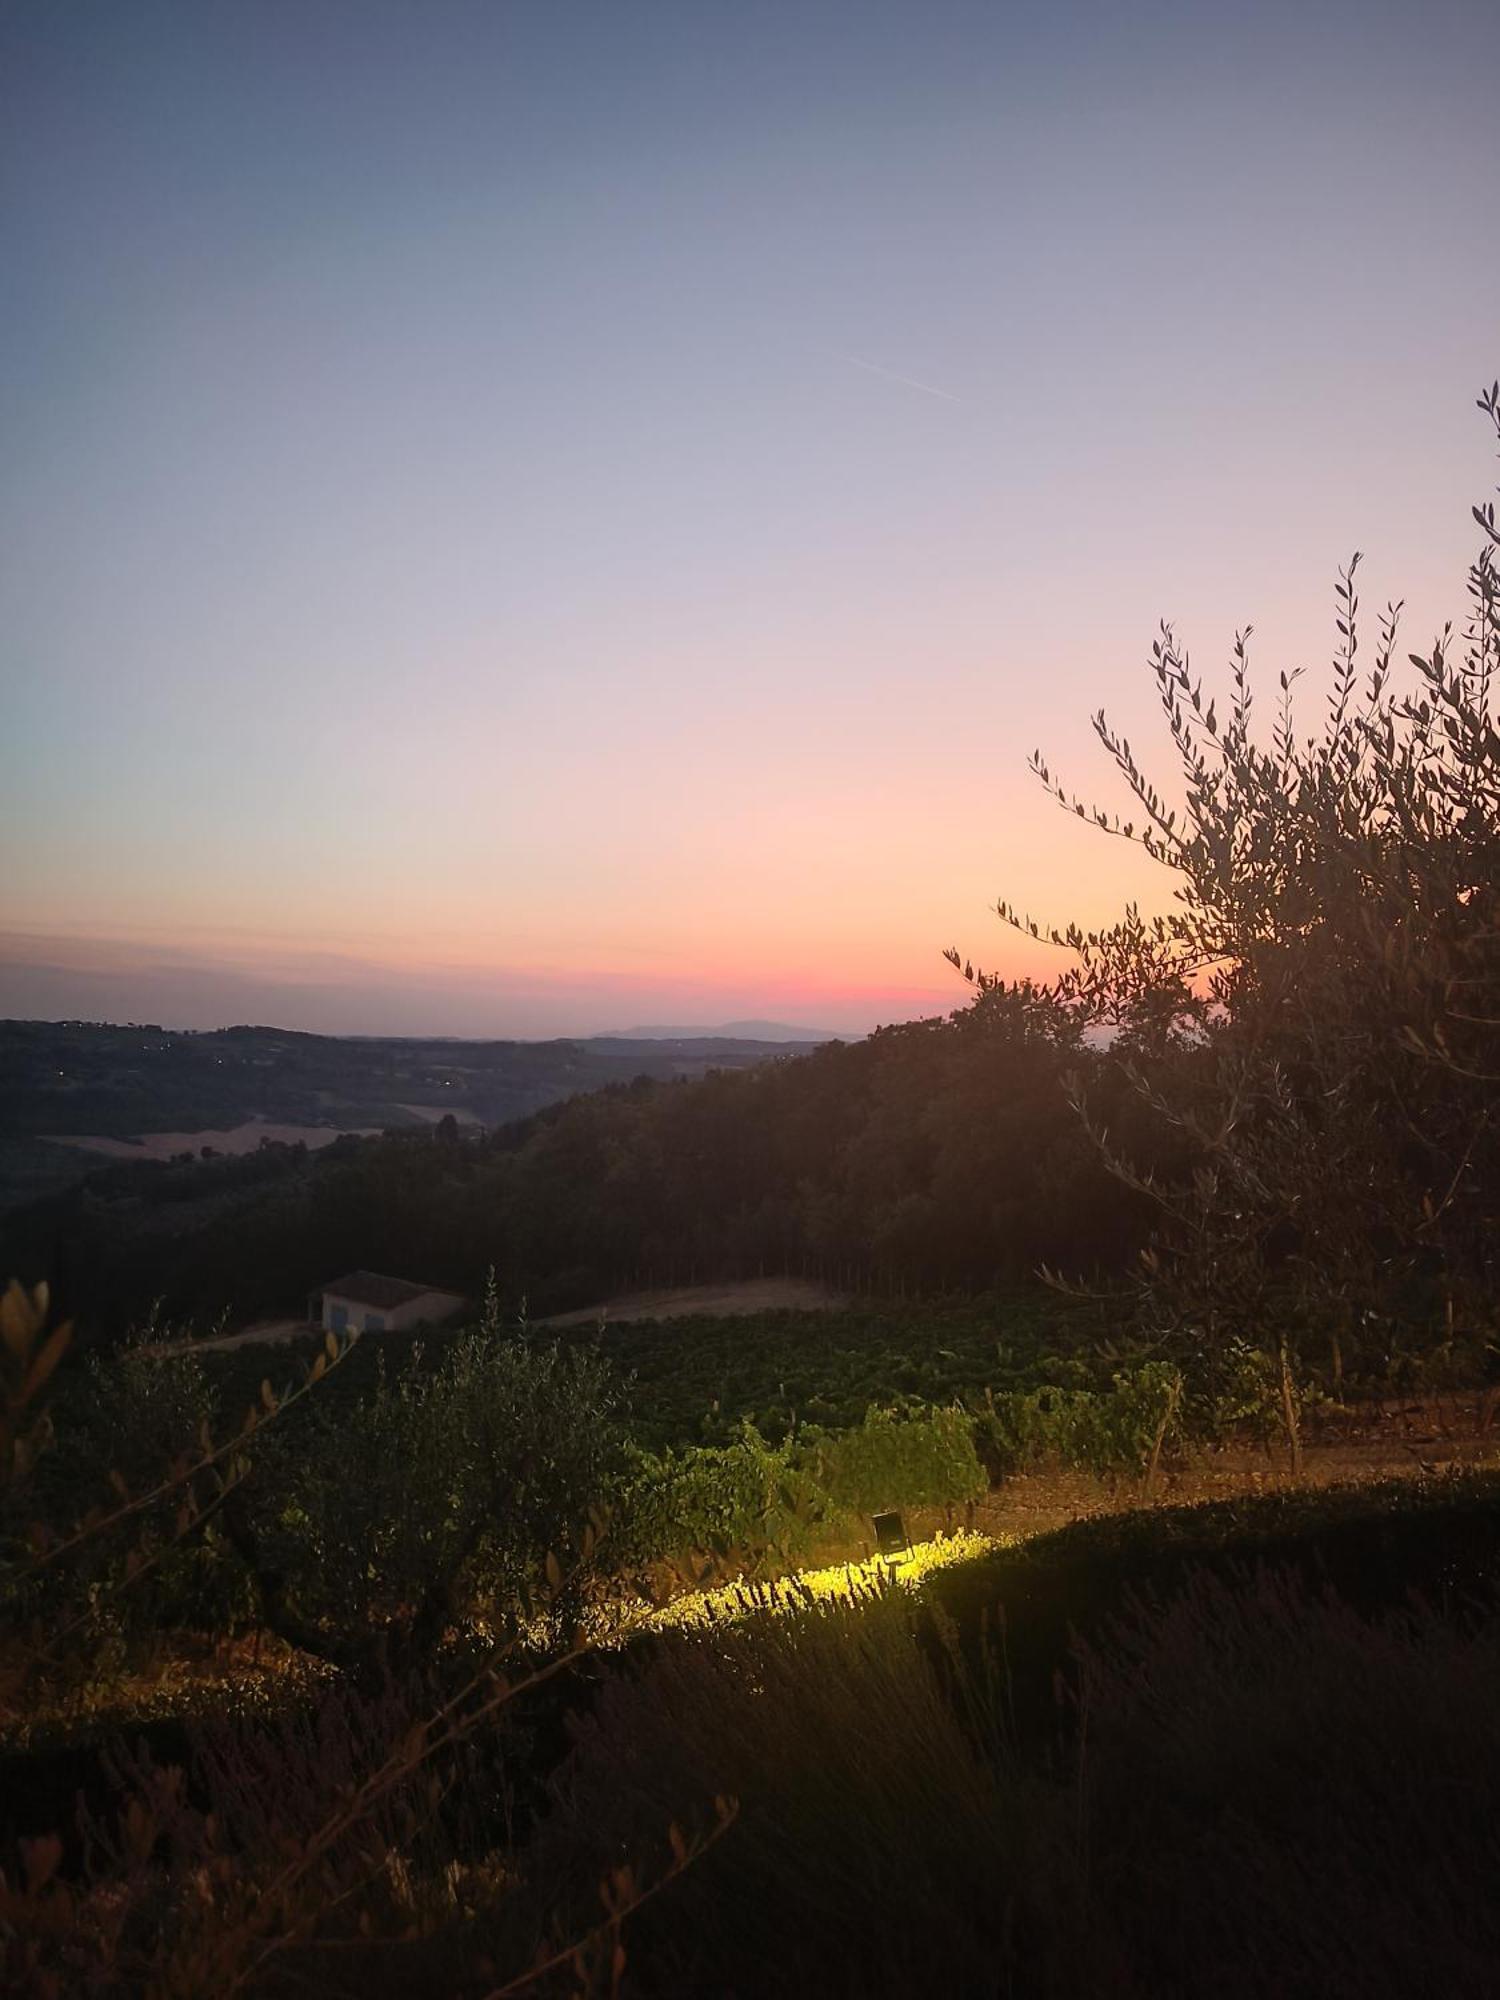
(238, 1139)
(691, 1377)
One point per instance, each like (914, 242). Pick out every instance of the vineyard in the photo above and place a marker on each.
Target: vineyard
(762, 1438)
(696, 1381)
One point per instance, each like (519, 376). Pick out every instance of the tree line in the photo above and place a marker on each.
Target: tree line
(937, 1155)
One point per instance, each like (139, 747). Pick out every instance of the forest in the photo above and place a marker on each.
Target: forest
(935, 1154)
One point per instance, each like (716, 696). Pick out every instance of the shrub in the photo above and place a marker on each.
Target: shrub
(437, 1496)
(1123, 1430)
(1252, 1785)
(747, 1496)
(869, 1854)
(120, 1421)
(762, 1500)
(898, 1458)
(1278, 1793)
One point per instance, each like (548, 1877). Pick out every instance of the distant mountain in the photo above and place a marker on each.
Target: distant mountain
(729, 1031)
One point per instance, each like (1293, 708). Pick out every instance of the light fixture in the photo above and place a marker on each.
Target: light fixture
(891, 1538)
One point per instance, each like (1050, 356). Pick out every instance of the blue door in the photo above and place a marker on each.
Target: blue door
(338, 1318)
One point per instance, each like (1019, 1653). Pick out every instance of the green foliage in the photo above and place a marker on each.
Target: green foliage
(916, 1808)
(1008, 1813)
(695, 1380)
(1122, 1430)
(123, 1421)
(440, 1493)
(898, 1458)
(1311, 1026)
(749, 1496)
(762, 1500)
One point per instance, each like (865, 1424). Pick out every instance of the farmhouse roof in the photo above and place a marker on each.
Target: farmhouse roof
(370, 1288)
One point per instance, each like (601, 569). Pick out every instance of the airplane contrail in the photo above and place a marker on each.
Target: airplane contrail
(906, 381)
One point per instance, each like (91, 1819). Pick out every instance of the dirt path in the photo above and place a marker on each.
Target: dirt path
(733, 1300)
(741, 1296)
(266, 1333)
(1407, 1440)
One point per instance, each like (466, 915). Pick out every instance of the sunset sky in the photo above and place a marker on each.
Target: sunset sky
(529, 519)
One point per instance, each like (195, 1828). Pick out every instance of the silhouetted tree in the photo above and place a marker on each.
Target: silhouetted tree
(1316, 1018)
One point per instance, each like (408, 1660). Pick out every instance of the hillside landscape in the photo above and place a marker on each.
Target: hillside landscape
(1149, 1576)
(71, 1088)
(958, 1457)
(932, 1154)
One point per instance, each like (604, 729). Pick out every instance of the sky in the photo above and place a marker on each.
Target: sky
(530, 519)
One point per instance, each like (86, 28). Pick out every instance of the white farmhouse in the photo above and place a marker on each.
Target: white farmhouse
(367, 1302)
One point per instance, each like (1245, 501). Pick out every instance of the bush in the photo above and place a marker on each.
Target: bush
(437, 1496)
(1279, 1794)
(763, 1501)
(898, 1458)
(710, 1499)
(1124, 1430)
(121, 1421)
(1251, 1785)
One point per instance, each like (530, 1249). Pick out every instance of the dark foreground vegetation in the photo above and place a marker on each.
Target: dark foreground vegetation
(1217, 1751)
(1220, 1751)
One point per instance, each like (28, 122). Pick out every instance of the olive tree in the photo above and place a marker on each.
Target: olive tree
(1315, 1016)
(443, 1494)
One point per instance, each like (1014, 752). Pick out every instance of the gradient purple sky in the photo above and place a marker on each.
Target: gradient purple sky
(521, 519)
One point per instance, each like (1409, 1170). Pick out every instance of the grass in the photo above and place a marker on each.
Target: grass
(868, 1821)
(843, 1582)
(1212, 1748)
(1234, 1748)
